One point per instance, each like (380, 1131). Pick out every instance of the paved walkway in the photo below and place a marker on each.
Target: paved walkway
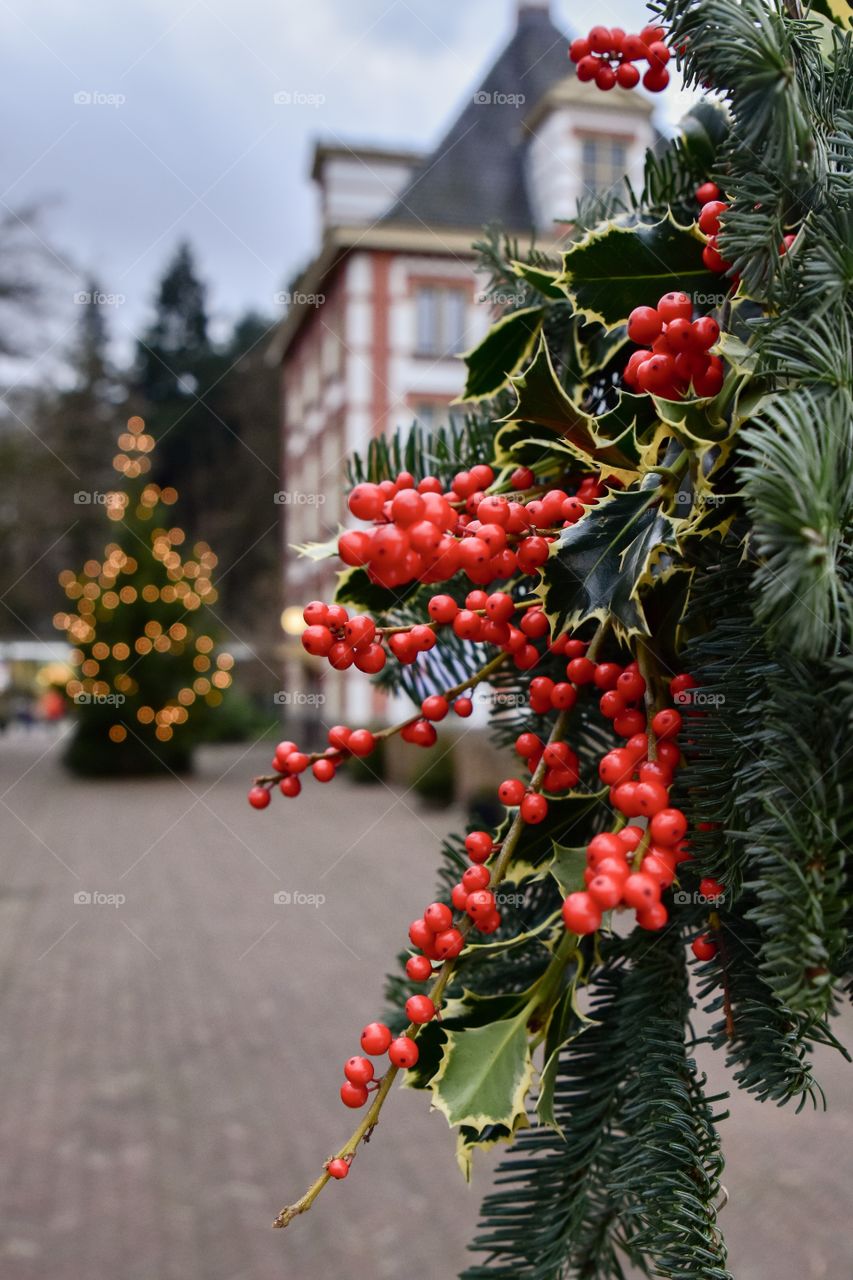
(170, 1064)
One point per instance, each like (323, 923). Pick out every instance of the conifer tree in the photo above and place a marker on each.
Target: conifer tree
(146, 670)
(641, 540)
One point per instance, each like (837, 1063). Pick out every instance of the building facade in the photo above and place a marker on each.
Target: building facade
(379, 319)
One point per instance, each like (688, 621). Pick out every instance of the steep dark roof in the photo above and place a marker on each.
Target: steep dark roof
(475, 175)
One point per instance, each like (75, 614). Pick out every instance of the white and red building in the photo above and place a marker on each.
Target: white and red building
(379, 318)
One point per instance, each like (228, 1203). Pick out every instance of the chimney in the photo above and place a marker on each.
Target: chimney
(525, 7)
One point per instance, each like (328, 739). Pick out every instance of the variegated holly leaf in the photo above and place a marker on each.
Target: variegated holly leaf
(318, 550)
(504, 349)
(485, 1074)
(542, 280)
(542, 401)
(469, 1140)
(627, 263)
(598, 566)
(566, 1023)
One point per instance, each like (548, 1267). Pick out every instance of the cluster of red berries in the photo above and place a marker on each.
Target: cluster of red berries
(420, 533)
(678, 350)
(632, 866)
(607, 56)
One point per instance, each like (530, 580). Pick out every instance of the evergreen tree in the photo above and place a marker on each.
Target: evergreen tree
(663, 428)
(144, 659)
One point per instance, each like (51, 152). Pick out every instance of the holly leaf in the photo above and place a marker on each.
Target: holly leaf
(541, 400)
(354, 586)
(567, 868)
(485, 1074)
(469, 1140)
(566, 1023)
(504, 349)
(318, 550)
(628, 263)
(545, 282)
(597, 567)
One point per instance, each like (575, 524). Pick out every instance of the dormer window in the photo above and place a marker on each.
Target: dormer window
(604, 161)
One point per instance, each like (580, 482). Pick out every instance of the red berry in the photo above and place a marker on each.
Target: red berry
(703, 947)
(480, 903)
(358, 1070)
(581, 914)
(438, 917)
(366, 502)
(615, 767)
(624, 798)
(323, 770)
(668, 826)
(631, 685)
(611, 704)
(579, 48)
(669, 753)
(629, 723)
(675, 305)
(656, 78)
(420, 1009)
(448, 944)
(563, 696)
(712, 889)
(259, 797)
(587, 68)
(337, 1168)
(707, 191)
(712, 257)
(580, 671)
(644, 325)
(353, 1095)
(627, 75)
(435, 707)
(463, 707)
(467, 625)
(655, 374)
(605, 891)
(534, 808)
(710, 382)
(650, 798)
(704, 332)
(511, 792)
(522, 478)
(442, 609)
(641, 891)
(600, 39)
(658, 53)
(317, 641)
(375, 1038)
(709, 217)
(315, 613)
(475, 878)
(361, 742)
(479, 845)
(290, 787)
(653, 916)
(605, 845)
(371, 660)
(403, 1052)
(666, 723)
(605, 76)
(418, 968)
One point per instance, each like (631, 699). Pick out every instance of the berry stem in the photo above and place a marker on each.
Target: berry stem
(368, 1124)
(475, 679)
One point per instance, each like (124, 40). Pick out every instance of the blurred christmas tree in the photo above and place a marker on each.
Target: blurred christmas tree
(146, 675)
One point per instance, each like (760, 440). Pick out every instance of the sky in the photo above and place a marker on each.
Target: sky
(134, 125)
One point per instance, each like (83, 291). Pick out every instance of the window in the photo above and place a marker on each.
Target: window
(603, 162)
(440, 320)
(432, 414)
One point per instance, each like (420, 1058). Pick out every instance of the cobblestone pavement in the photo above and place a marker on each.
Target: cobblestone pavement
(171, 1059)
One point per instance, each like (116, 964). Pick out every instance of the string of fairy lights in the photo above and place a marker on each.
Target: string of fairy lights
(102, 670)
